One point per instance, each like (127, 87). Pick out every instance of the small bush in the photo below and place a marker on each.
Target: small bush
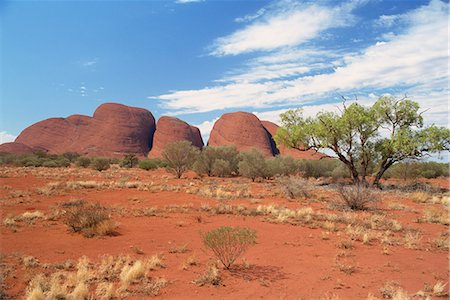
(71, 156)
(180, 156)
(151, 164)
(228, 243)
(83, 161)
(221, 168)
(294, 188)
(90, 220)
(252, 164)
(318, 168)
(129, 161)
(100, 164)
(358, 197)
(207, 162)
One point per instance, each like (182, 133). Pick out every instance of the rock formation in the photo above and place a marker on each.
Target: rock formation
(113, 131)
(309, 154)
(15, 148)
(171, 129)
(243, 130)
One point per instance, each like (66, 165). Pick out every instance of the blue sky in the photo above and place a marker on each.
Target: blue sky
(199, 59)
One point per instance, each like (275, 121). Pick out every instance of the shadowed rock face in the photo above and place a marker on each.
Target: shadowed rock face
(15, 148)
(113, 131)
(310, 154)
(243, 130)
(169, 130)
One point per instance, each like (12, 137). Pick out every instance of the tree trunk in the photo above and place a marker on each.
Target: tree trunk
(376, 181)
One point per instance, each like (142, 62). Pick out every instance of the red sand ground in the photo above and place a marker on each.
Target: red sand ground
(288, 262)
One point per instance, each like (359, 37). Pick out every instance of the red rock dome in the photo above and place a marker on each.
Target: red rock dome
(114, 130)
(171, 129)
(15, 148)
(243, 130)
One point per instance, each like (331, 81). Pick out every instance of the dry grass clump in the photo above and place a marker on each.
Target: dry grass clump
(27, 217)
(90, 220)
(131, 273)
(190, 261)
(30, 262)
(231, 191)
(113, 278)
(77, 185)
(389, 289)
(294, 188)
(345, 262)
(412, 239)
(210, 277)
(358, 197)
(442, 241)
(399, 206)
(420, 197)
(179, 249)
(52, 188)
(154, 262)
(436, 215)
(425, 197)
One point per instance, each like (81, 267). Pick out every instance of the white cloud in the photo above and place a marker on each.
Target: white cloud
(414, 61)
(291, 24)
(205, 129)
(251, 17)
(6, 137)
(89, 63)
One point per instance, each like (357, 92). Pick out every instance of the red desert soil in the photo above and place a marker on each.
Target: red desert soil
(288, 262)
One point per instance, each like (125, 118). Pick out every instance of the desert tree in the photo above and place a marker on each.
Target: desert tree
(180, 156)
(368, 140)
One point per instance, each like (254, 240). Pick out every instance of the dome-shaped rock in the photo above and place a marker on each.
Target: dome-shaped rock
(243, 130)
(171, 129)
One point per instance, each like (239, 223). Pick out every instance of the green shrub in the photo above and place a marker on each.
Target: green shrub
(83, 161)
(252, 164)
(412, 170)
(100, 163)
(228, 243)
(71, 156)
(129, 161)
(281, 166)
(89, 219)
(318, 168)
(151, 164)
(180, 156)
(221, 168)
(209, 155)
(340, 171)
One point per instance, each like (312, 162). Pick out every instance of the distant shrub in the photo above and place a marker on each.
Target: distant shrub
(294, 187)
(100, 163)
(252, 164)
(89, 219)
(129, 161)
(228, 243)
(358, 197)
(281, 166)
(7, 159)
(71, 156)
(318, 168)
(208, 157)
(412, 170)
(340, 172)
(151, 164)
(221, 168)
(180, 156)
(83, 161)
